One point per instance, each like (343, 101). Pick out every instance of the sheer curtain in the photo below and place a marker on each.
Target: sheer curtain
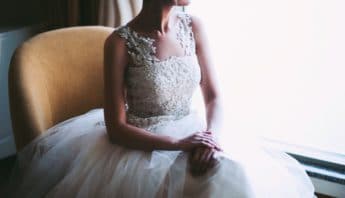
(117, 12)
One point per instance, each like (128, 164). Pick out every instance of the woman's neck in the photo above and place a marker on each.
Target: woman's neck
(155, 17)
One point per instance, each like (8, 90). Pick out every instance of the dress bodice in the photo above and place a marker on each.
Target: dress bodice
(159, 89)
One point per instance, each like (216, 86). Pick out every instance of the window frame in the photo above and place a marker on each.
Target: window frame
(319, 164)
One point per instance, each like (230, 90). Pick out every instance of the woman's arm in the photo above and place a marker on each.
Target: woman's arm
(208, 82)
(115, 62)
(201, 159)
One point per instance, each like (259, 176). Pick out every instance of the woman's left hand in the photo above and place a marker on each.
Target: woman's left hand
(201, 159)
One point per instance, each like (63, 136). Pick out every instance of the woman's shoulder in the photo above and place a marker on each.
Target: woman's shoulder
(122, 31)
(119, 35)
(116, 40)
(183, 17)
(190, 20)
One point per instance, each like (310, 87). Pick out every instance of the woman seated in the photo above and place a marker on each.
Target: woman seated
(148, 141)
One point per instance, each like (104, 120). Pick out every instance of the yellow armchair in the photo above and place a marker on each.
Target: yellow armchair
(54, 76)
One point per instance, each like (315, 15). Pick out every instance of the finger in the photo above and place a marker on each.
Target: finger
(198, 163)
(202, 135)
(209, 139)
(198, 159)
(208, 132)
(209, 143)
(211, 159)
(215, 144)
(199, 137)
(210, 155)
(207, 159)
(218, 148)
(197, 154)
(209, 135)
(205, 154)
(198, 133)
(205, 134)
(204, 160)
(205, 144)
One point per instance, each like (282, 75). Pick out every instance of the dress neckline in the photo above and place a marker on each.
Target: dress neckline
(138, 34)
(152, 41)
(146, 37)
(142, 47)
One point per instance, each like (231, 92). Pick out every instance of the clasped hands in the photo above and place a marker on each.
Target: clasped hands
(202, 148)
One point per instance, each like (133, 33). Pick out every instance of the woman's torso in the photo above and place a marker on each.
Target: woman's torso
(160, 88)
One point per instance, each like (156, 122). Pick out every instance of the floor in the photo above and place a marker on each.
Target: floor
(7, 164)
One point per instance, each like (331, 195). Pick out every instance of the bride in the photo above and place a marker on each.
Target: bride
(148, 141)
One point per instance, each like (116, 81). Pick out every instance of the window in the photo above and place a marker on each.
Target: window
(281, 69)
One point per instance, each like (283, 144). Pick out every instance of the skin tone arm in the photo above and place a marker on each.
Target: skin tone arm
(119, 132)
(202, 157)
(208, 83)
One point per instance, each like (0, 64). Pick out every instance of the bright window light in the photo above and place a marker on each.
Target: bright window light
(281, 68)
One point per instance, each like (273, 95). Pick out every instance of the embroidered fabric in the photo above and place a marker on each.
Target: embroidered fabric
(159, 90)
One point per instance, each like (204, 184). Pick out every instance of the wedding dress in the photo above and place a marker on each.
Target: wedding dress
(76, 159)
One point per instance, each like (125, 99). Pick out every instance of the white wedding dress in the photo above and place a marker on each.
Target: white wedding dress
(76, 159)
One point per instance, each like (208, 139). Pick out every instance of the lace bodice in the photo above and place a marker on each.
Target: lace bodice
(158, 90)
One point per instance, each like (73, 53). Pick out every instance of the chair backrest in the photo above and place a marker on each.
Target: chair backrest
(54, 76)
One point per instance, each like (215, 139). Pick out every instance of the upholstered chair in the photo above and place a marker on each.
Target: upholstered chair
(54, 76)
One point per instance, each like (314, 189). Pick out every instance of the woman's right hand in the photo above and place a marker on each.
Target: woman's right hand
(198, 139)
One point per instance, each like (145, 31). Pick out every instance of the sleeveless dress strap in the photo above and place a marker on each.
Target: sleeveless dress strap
(140, 48)
(185, 33)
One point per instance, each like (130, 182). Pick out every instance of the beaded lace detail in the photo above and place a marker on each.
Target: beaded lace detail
(159, 90)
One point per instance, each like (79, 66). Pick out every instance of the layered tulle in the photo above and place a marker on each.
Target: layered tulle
(76, 159)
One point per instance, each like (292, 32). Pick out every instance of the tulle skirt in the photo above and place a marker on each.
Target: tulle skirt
(76, 159)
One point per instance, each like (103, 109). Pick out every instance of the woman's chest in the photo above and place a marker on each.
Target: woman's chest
(176, 73)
